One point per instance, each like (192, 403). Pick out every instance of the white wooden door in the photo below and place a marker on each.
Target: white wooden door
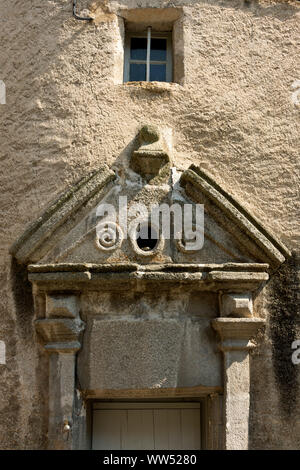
(138, 426)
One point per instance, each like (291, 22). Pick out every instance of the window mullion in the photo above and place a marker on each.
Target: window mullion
(137, 61)
(148, 53)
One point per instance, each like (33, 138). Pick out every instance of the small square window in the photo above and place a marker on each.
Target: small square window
(148, 57)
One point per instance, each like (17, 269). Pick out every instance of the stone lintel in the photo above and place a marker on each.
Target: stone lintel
(163, 392)
(65, 348)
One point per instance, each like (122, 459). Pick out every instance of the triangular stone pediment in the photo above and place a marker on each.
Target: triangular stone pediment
(84, 243)
(69, 231)
(66, 232)
(229, 214)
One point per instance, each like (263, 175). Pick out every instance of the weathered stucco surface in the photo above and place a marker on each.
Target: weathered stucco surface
(67, 113)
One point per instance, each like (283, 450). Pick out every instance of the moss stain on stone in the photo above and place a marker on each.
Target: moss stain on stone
(284, 312)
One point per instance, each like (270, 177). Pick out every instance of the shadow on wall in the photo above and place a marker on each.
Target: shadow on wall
(22, 295)
(37, 392)
(284, 315)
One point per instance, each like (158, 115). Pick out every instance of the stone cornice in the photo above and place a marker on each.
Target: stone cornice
(233, 277)
(131, 267)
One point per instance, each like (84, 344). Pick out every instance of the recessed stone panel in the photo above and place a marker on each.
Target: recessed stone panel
(136, 354)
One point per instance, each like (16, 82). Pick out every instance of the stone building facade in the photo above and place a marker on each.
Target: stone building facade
(96, 328)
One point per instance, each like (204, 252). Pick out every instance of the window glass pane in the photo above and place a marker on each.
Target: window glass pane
(157, 73)
(138, 49)
(158, 49)
(137, 73)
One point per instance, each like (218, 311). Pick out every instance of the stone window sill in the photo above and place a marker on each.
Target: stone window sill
(156, 87)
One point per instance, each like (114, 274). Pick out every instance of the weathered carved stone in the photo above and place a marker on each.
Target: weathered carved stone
(61, 334)
(56, 214)
(133, 240)
(109, 236)
(152, 154)
(117, 277)
(61, 400)
(236, 305)
(233, 216)
(62, 305)
(59, 331)
(236, 335)
(149, 343)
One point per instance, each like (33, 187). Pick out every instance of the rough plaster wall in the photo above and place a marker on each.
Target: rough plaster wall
(64, 116)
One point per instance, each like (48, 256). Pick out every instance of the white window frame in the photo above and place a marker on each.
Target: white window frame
(148, 35)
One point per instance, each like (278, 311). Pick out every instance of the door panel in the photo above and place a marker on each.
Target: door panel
(190, 432)
(108, 429)
(140, 430)
(167, 429)
(138, 426)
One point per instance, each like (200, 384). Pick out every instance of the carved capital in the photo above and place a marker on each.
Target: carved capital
(60, 334)
(236, 333)
(62, 305)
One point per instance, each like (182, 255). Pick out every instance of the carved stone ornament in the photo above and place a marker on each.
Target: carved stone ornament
(188, 245)
(237, 305)
(109, 236)
(69, 265)
(152, 153)
(134, 244)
